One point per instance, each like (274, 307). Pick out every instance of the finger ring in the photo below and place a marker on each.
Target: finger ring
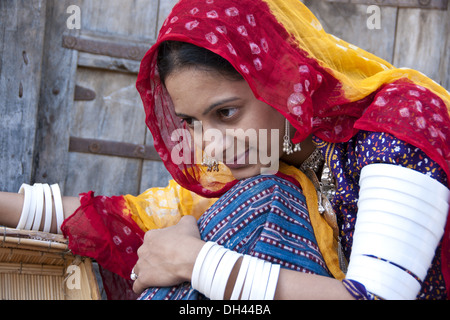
(133, 275)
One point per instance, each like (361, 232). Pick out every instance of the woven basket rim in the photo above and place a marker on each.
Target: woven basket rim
(32, 239)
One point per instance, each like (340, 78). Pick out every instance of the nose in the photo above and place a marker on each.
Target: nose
(214, 142)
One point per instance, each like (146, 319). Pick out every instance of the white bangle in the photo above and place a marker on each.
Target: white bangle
(257, 291)
(211, 270)
(257, 279)
(249, 279)
(272, 282)
(204, 269)
(25, 189)
(222, 274)
(195, 278)
(58, 206)
(235, 295)
(32, 210)
(48, 208)
(38, 191)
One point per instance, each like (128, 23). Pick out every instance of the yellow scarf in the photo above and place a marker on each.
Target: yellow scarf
(360, 72)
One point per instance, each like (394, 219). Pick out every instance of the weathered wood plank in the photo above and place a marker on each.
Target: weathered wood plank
(349, 22)
(56, 98)
(423, 4)
(22, 25)
(116, 115)
(110, 52)
(113, 148)
(108, 63)
(105, 175)
(423, 43)
(444, 65)
(154, 174)
(96, 44)
(118, 17)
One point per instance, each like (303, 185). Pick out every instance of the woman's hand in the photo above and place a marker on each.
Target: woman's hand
(167, 256)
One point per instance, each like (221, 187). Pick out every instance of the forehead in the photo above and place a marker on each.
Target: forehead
(194, 89)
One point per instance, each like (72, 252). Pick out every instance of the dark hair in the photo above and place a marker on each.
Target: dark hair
(175, 55)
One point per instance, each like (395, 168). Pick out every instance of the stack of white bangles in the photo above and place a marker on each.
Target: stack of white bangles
(38, 205)
(257, 279)
(400, 222)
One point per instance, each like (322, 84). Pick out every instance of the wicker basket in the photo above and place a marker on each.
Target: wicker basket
(39, 266)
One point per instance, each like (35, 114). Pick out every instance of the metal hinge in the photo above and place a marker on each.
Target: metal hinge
(107, 46)
(113, 148)
(83, 94)
(423, 4)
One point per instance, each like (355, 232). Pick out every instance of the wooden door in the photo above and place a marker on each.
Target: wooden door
(21, 45)
(97, 140)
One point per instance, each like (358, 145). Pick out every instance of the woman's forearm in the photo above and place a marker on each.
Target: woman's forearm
(10, 208)
(11, 205)
(294, 285)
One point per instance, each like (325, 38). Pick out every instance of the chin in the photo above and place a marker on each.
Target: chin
(248, 171)
(244, 172)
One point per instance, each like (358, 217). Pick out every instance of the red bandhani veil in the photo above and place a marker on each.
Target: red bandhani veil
(321, 84)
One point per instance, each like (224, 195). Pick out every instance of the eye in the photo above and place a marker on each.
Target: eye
(227, 113)
(188, 121)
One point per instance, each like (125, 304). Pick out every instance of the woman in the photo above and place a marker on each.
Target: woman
(358, 110)
(261, 215)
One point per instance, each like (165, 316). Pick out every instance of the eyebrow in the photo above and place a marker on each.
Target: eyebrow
(211, 107)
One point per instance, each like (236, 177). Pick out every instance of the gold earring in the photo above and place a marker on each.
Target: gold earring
(211, 163)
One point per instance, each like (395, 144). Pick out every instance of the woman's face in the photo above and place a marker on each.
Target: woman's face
(237, 129)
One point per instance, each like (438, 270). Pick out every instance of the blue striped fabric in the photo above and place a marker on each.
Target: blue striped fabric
(262, 216)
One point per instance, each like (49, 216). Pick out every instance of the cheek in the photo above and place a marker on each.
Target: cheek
(271, 117)
(274, 122)
(272, 146)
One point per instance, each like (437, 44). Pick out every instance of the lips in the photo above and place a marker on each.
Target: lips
(239, 161)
